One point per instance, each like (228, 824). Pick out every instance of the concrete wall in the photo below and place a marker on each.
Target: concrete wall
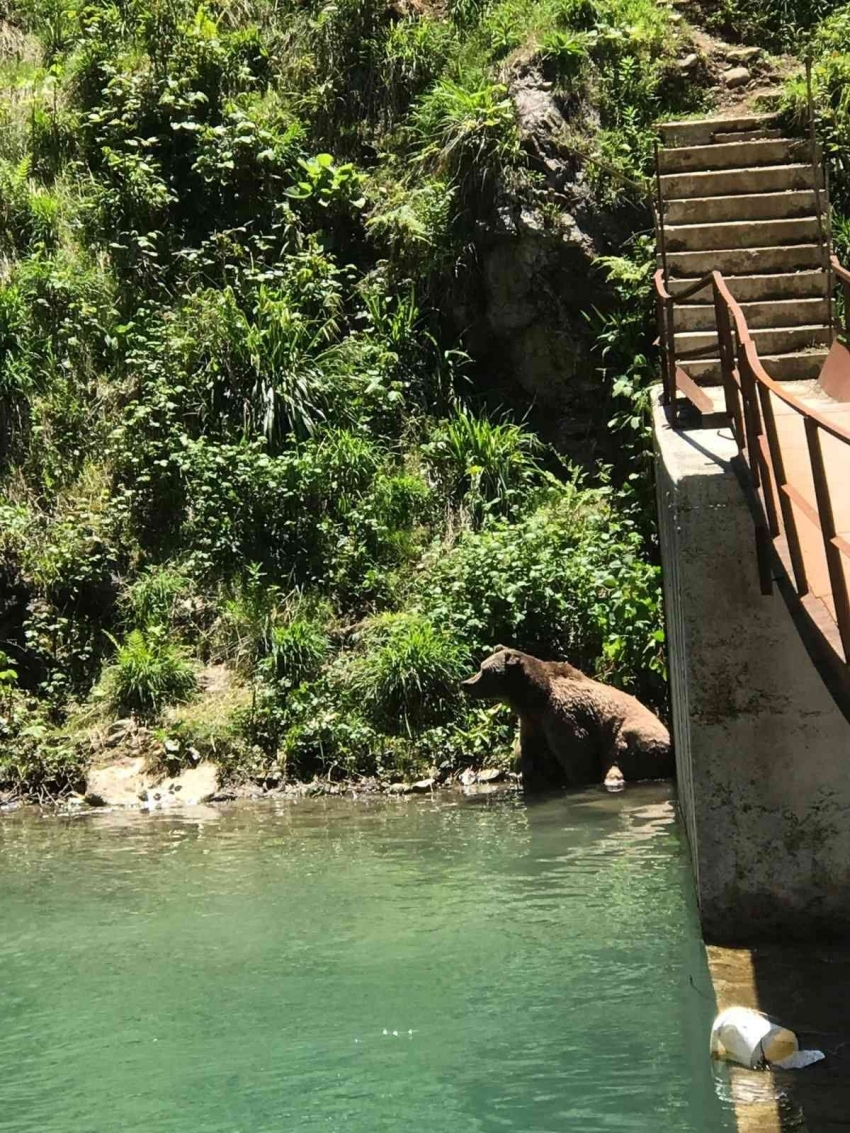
(763, 754)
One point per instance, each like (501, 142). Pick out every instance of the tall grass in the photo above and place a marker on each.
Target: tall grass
(466, 129)
(408, 674)
(153, 599)
(148, 674)
(485, 465)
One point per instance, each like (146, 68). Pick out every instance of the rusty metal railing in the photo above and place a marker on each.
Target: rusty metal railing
(781, 502)
(674, 378)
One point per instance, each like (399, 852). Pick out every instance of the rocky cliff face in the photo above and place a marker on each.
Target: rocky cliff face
(526, 319)
(526, 322)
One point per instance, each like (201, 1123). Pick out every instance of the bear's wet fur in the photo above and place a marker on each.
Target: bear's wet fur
(572, 729)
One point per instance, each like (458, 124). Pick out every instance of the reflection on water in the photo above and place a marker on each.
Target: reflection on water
(439, 965)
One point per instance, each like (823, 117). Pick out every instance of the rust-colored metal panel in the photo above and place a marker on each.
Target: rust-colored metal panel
(835, 376)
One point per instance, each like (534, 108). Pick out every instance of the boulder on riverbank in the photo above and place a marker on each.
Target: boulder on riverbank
(129, 782)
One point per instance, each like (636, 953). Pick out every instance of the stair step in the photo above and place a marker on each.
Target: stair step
(744, 261)
(732, 155)
(744, 180)
(768, 340)
(792, 367)
(755, 288)
(744, 206)
(746, 136)
(701, 132)
(740, 234)
(782, 313)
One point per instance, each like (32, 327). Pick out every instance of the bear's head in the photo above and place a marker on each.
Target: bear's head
(500, 676)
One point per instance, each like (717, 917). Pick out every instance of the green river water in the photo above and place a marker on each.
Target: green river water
(439, 966)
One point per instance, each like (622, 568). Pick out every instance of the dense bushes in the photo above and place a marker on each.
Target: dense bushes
(234, 428)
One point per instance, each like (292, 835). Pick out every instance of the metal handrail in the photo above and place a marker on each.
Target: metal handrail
(776, 387)
(777, 503)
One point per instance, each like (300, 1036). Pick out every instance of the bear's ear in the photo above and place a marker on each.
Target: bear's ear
(501, 649)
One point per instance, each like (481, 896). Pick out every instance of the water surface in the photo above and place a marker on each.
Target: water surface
(438, 966)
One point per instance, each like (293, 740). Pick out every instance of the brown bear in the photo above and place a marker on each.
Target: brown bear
(572, 729)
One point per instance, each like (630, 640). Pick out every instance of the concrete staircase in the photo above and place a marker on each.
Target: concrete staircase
(739, 198)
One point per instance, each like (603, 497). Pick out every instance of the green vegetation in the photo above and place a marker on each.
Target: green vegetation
(148, 674)
(776, 25)
(238, 430)
(831, 54)
(830, 50)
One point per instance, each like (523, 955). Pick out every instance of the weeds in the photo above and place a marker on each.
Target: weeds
(148, 674)
(465, 130)
(485, 466)
(409, 673)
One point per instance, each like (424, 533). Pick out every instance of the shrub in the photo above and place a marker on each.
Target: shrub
(409, 671)
(153, 598)
(830, 78)
(484, 465)
(415, 52)
(297, 652)
(148, 674)
(466, 130)
(567, 581)
(776, 25)
(37, 760)
(414, 223)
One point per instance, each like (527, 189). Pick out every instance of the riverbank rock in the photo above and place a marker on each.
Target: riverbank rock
(116, 784)
(743, 56)
(127, 782)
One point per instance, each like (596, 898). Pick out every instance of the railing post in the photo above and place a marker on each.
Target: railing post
(835, 566)
(662, 343)
(750, 426)
(789, 520)
(671, 357)
(727, 361)
(769, 482)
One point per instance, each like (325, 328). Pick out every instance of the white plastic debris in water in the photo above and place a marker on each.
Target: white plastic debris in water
(799, 1059)
(749, 1038)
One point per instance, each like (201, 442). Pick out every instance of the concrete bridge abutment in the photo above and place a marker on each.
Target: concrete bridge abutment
(762, 751)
